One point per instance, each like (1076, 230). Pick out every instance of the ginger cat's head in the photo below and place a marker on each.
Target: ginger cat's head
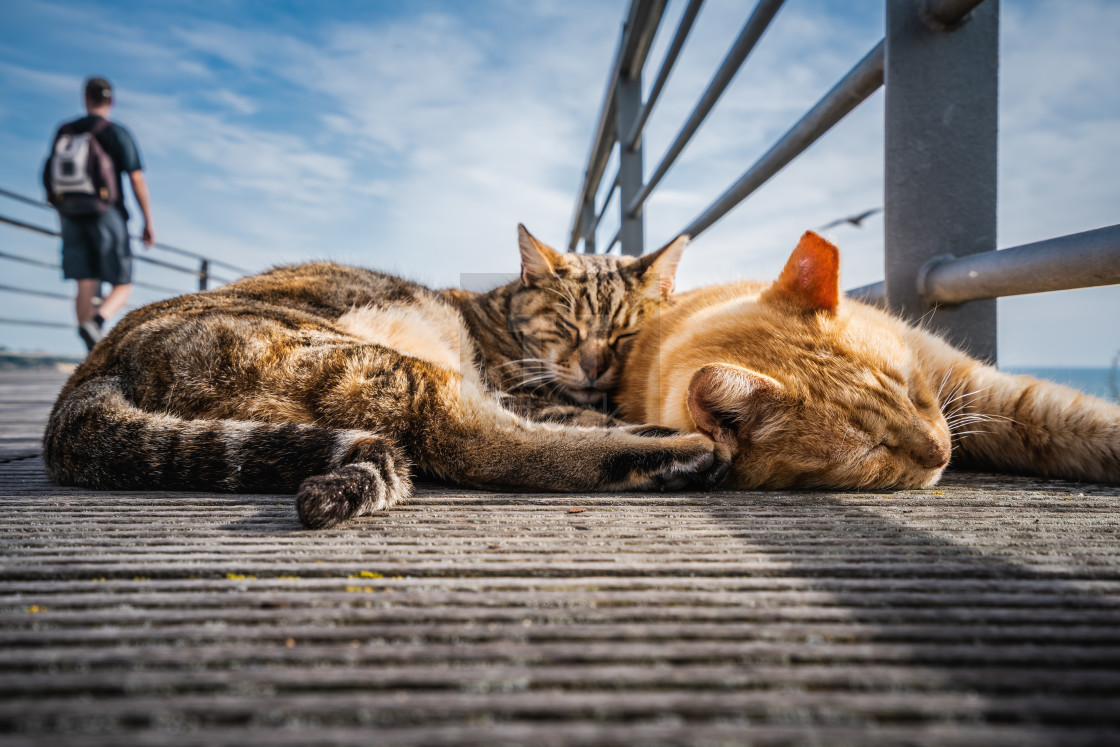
(576, 315)
(806, 389)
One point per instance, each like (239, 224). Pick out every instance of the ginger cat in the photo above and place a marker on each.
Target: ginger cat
(810, 389)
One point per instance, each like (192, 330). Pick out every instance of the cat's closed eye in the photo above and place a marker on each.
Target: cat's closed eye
(624, 337)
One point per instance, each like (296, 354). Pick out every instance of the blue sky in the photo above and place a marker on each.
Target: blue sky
(413, 137)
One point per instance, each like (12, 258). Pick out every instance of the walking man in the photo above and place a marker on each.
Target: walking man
(83, 180)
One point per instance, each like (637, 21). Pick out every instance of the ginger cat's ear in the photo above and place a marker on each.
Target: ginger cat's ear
(538, 261)
(811, 278)
(728, 402)
(662, 264)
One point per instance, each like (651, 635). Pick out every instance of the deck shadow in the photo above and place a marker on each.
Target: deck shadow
(862, 544)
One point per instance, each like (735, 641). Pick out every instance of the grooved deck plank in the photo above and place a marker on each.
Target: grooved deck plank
(985, 610)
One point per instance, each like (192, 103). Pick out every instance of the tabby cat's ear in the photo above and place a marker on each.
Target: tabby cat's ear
(728, 402)
(662, 264)
(811, 278)
(538, 261)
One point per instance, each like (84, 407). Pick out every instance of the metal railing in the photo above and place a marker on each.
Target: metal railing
(938, 57)
(204, 273)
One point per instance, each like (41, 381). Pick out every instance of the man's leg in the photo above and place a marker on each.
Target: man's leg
(88, 289)
(115, 301)
(81, 262)
(116, 263)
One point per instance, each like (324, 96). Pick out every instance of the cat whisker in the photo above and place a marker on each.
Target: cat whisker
(524, 387)
(975, 417)
(925, 318)
(951, 396)
(567, 298)
(533, 378)
(944, 381)
(963, 398)
(524, 361)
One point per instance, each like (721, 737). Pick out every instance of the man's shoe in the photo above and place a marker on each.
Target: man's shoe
(90, 332)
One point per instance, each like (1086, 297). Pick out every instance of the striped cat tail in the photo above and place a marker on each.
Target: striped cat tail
(96, 438)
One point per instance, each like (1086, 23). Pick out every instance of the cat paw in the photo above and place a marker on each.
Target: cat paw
(671, 463)
(324, 501)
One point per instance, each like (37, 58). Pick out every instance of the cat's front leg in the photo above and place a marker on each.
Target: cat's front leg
(543, 410)
(454, 429)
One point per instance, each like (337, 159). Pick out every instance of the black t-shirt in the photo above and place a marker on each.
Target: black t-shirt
(118, 144)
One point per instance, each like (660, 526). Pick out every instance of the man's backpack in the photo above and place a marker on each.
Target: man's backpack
(79, 175)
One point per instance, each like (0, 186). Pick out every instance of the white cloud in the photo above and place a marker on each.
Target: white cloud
(416, 144)
(233, 102)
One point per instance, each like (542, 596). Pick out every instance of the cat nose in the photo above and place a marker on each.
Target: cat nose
(593, 367)
(932, 455)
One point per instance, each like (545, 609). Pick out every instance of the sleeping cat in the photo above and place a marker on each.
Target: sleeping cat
(556, 349)
(339, 382)
(810, 389)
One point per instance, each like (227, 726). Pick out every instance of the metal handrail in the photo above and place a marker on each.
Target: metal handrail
(1080, 260)
(200, 274)
(203, 273)
(687, 19)
(35, 323)
(605, 130)
(56, 266)
(855, 88)
(752, 31)
(937, 59)
(34, 292)
(157, 245)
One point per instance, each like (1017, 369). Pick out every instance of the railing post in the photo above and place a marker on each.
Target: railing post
(587, 224)
(631, 232)
(941, 121)
(203, 274)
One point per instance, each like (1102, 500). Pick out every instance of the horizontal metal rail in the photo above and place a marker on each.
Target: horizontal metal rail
(34, 292)
(752, 31)
(29, 226)
(138, 257)
(614, 240)
(30, 260)
(1081, 260)
(35, 323)
(862, 81)
(606, 202)
(687, 19)
(158, 245)
(56, 266)
(872, 293)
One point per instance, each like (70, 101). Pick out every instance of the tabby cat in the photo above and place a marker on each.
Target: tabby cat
(337, 382)
(810, 389)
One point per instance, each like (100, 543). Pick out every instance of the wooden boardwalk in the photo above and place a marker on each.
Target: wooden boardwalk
(984, 611)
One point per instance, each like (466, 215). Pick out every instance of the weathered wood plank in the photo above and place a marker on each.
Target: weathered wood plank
(986, 610)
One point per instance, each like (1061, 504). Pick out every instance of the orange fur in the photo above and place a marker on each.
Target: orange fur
(814, 390)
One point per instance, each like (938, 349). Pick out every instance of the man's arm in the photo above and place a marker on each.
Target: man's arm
(140, 189)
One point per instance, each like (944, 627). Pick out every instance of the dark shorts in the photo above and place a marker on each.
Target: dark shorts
(97, 248)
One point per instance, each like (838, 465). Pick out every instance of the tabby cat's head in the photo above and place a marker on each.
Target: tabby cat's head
(576, 315)
(812, 394)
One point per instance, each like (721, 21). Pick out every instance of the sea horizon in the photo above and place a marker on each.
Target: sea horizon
(1097, 381)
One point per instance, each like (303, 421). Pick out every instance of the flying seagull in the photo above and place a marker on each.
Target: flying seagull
(855, 220)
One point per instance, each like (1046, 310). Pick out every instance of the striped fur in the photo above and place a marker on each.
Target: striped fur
(813, 390)
(338, 383)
